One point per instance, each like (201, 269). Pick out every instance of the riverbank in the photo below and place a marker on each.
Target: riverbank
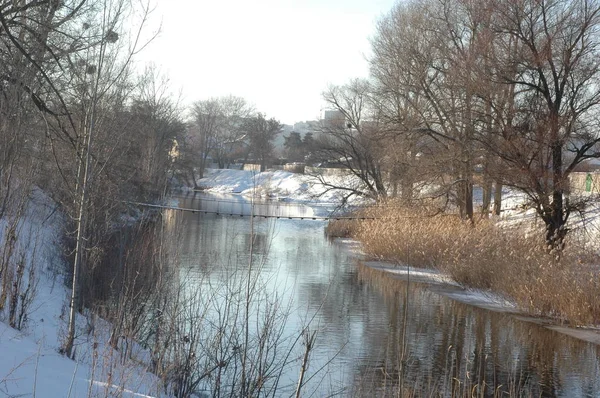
(503, 259)
(30, 363)
(281, 185)
(444, 285)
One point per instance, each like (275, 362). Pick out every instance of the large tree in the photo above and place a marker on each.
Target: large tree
(203, 130)
(295, 150)
(548, 52)
(423, 66)
(260, 133)
(509, 86)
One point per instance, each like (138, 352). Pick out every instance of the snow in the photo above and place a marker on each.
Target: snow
(444, 285)
(279, 184)
(30, 363)
(437, 281)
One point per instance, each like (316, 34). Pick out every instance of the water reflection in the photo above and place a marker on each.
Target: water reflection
(454, 349)
(231, 205)
(376, 335)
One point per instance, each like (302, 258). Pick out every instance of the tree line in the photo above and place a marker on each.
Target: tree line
(95, 132)
(225, 130)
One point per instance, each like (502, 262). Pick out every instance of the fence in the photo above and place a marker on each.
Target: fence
(251, 167)
(300, 168)
(326, 171)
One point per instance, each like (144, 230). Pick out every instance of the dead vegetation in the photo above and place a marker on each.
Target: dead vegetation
(512, 261)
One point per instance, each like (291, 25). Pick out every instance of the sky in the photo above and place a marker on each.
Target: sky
(279, 55)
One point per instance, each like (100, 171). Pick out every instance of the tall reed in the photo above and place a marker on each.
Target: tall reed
(511, 261)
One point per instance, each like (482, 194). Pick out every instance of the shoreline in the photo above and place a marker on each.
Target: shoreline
(444, 285)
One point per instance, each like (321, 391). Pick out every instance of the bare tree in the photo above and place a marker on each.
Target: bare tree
(207, 117)
(426, 58)
(216, 130)
(230, 137)
(509, 86)
(154, 123)
(354, 140)
(101, 72)
(549, 52)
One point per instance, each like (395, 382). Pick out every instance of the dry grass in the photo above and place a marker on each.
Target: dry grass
(340, 229)
(507, 261)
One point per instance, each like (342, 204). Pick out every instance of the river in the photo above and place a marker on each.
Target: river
(374, 335)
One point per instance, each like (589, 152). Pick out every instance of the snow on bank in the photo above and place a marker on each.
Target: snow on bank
(444, 285)
(437, 281)
(30, 364)
(280, 184)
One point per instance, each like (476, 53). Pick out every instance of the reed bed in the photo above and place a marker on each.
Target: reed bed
(510, 261)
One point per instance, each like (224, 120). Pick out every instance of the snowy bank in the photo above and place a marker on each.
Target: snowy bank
(282, 185)
(443, 285)
(30, 363)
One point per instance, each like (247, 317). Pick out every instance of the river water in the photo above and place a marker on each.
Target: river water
(375, 335)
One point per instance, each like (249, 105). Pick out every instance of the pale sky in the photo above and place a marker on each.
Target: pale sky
(278, 54)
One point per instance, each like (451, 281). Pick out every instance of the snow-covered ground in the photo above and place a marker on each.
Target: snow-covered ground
(305, 188)
(280, 184)
(30, 363)
(444, 285)
(284, 185)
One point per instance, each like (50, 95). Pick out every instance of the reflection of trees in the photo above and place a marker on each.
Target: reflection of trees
(236, 205)
(260, 242)
(454, 348)
(212, 240)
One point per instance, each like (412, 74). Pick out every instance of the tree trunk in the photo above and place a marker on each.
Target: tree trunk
(379, 185)
(394, 180)
(487, 195)
(555, 230)
(468, 191)
(497, 198)
(407, 190)
(201, 167)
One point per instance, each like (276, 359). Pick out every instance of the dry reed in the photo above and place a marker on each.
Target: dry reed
(510, 261)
